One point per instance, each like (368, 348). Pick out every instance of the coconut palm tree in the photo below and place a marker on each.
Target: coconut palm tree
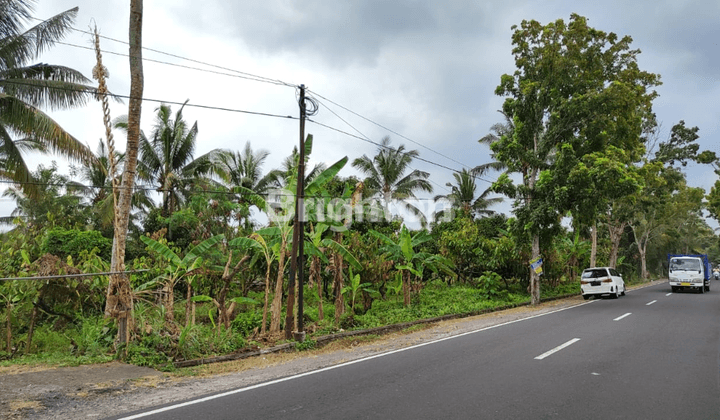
(166, 158)
(387, 177)
(497, 131)
(462, 196)
(97, 187)
(244, 169)
(55, 202)
(27, 88)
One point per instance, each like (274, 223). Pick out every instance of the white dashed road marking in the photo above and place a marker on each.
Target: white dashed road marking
(622, 316)
(556, 349)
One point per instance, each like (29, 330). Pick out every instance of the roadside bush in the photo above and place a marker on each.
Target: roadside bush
(245, 322)
(489, 285)
(62, 243)
(95, 336)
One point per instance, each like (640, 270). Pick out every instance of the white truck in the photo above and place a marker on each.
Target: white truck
(689, 271)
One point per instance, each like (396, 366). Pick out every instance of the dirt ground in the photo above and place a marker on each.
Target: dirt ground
(98, 391)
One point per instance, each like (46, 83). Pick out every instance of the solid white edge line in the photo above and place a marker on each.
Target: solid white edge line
(650, 303)
(622, 316)
(557, 349)
(352, 362)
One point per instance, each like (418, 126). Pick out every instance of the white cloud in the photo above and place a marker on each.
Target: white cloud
(424, 69)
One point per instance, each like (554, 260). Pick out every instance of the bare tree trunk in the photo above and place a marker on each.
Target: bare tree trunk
(593, 248)
(277, 299)
(616, 229)
(535, 277)
(188, 305)
(406, 285)
(225, 311)
(263, 327)
(31, 329)
(338, 283)
(169, 303)
(642, 250)
(119, 302)
(8, 328)
(316, 279)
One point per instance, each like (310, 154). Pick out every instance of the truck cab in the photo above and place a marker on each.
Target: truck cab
(689, 271)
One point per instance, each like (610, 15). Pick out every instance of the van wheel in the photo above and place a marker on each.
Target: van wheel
(586, 297)
(623, 292)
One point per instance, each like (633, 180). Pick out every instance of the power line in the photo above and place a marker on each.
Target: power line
(76, 186)
(70, 276)
(241, 76)
(388, 129)
(439, 165)
(115, 95)
(366, 138)
(247, 75)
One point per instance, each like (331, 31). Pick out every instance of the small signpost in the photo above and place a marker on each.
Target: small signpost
(536, 265)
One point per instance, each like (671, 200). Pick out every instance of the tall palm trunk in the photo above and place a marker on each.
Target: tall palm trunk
(119, 303)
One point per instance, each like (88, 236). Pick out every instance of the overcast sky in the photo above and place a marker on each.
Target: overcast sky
(425, 70)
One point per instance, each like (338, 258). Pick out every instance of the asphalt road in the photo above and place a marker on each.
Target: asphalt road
(651, 354)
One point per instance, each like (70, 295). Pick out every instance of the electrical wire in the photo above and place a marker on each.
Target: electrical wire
(439, 165)
(312, 110)
(246, 75)
(188, 104)
(240, 76)
(366, 138)
(389, 130)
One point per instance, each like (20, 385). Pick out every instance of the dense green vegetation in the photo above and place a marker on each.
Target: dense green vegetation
(209, 254)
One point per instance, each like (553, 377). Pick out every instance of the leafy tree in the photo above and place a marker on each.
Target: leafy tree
(576, 91)
(666, 200)
(27, 88)
(387, 176)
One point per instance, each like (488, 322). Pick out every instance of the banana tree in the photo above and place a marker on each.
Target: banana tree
(315, 195)
(275, 239)
(177, 269)
(316, 247)
(355, 287)
(411, 263)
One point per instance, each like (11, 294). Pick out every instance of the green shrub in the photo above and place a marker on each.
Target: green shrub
(246, 322)
(95, 336)
(490, 285)
(62, 243)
